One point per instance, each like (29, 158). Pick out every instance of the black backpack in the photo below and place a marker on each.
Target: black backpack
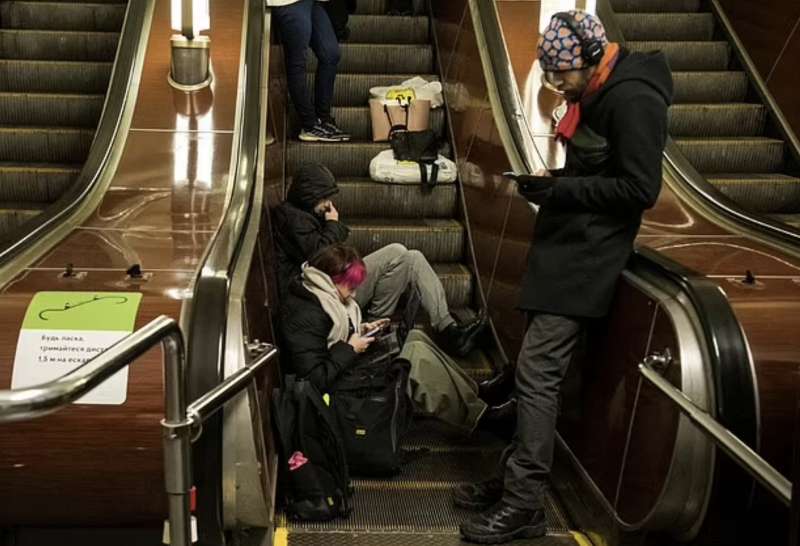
(373, 412)
(313, 465)
(421, 147)
(370, 400)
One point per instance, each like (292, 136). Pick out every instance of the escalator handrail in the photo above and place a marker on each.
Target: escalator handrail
(108, 139)
(206, 325)
(728, 348)
(745, 457)
(780, 233)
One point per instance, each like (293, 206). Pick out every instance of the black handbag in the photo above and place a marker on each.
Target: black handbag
(421, 147)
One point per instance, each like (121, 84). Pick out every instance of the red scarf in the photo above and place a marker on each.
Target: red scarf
(569, 123)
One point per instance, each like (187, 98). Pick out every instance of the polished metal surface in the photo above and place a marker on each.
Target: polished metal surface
(109, 140)
(748, 459)
(40, 400)
(211, 402)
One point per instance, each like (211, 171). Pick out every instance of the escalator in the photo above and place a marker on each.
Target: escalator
(416, 505)
(55, 64)
(719, 121)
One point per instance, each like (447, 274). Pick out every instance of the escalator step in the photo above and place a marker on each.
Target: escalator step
(438, 240)
(666, 26)
(709, 87)
(45, 144)
(62, 15)
(457, 283)
(353, 89)
(771, 193)
(388, 29)
(655, 6)
(54, 76)
(788, 219)
(707, 120)
(343, 159)
(688, 55)
(58, 45)
(380, 7)
(733, 155)
(363, 196)
(382, 58)
(50, 109)
(394, 538)
(36, 183)
(13, 215)
(356, 120)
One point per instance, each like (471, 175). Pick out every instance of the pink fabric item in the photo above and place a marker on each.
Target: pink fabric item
(296, 461)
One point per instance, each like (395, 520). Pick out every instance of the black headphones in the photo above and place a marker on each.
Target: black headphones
(592, 49)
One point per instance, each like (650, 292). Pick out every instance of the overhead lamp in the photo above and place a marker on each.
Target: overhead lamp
(190, 64)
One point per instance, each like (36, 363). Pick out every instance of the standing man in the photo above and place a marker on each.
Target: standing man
(590, 211)
(305, 23)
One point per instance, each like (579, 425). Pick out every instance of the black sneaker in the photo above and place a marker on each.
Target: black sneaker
(334, 131)
(504, 523)
(317, 133)
(479, 495)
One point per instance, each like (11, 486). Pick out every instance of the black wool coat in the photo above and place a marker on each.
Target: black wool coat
(305, 327)
(298, 232)
(585, 229)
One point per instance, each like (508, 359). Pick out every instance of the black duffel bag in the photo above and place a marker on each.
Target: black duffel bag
(373, 411)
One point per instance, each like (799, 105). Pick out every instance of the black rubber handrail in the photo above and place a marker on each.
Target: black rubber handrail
(131, 41)
(207, 323)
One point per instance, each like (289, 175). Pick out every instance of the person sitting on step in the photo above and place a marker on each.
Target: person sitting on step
(308, 221)
(323, 334)
(304, 23)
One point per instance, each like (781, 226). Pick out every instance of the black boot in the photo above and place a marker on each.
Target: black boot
(500, 420)
(478, 496)
(504, 523)
(461, 339)
(497, 389)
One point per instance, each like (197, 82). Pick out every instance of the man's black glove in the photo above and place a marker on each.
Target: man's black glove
(536, 189)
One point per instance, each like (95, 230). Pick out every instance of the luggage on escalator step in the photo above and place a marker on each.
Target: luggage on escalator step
(373, 412)
(406, 114)
(313, 466)
(385, 168)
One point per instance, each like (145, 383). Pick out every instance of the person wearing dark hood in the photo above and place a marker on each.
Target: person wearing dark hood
(304, 24)
(308, 222)
(589, 214)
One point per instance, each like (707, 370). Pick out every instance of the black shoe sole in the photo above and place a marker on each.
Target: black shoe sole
(528, 531)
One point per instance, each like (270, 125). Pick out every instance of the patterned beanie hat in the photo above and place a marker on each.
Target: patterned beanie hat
(560, 49)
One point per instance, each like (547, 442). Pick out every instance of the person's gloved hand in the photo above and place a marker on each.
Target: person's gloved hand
(536, 188)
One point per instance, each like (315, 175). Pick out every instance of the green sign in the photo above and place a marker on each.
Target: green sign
(99, 311)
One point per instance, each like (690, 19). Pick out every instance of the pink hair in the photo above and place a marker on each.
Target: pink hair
(352, 276)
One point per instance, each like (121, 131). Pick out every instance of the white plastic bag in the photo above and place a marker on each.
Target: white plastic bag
(415, 88)
(385, 168)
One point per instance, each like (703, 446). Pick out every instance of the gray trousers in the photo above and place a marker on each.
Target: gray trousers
(541, 366)
(438, 386)
(391, 270)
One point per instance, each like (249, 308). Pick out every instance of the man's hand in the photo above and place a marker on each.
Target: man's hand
(360, 343)
(332, 215)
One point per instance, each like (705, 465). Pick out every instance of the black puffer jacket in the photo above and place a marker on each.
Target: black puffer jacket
(299, 233)
(585, 230)
(305, 327)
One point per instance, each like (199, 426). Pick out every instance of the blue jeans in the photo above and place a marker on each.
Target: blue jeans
(303, 24)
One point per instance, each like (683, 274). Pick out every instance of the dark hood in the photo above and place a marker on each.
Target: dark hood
(310, 184)
(650, 68)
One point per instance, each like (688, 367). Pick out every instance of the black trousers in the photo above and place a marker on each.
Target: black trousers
(546, 352)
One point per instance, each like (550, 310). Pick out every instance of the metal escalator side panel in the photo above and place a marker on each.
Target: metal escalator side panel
(26, 245)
